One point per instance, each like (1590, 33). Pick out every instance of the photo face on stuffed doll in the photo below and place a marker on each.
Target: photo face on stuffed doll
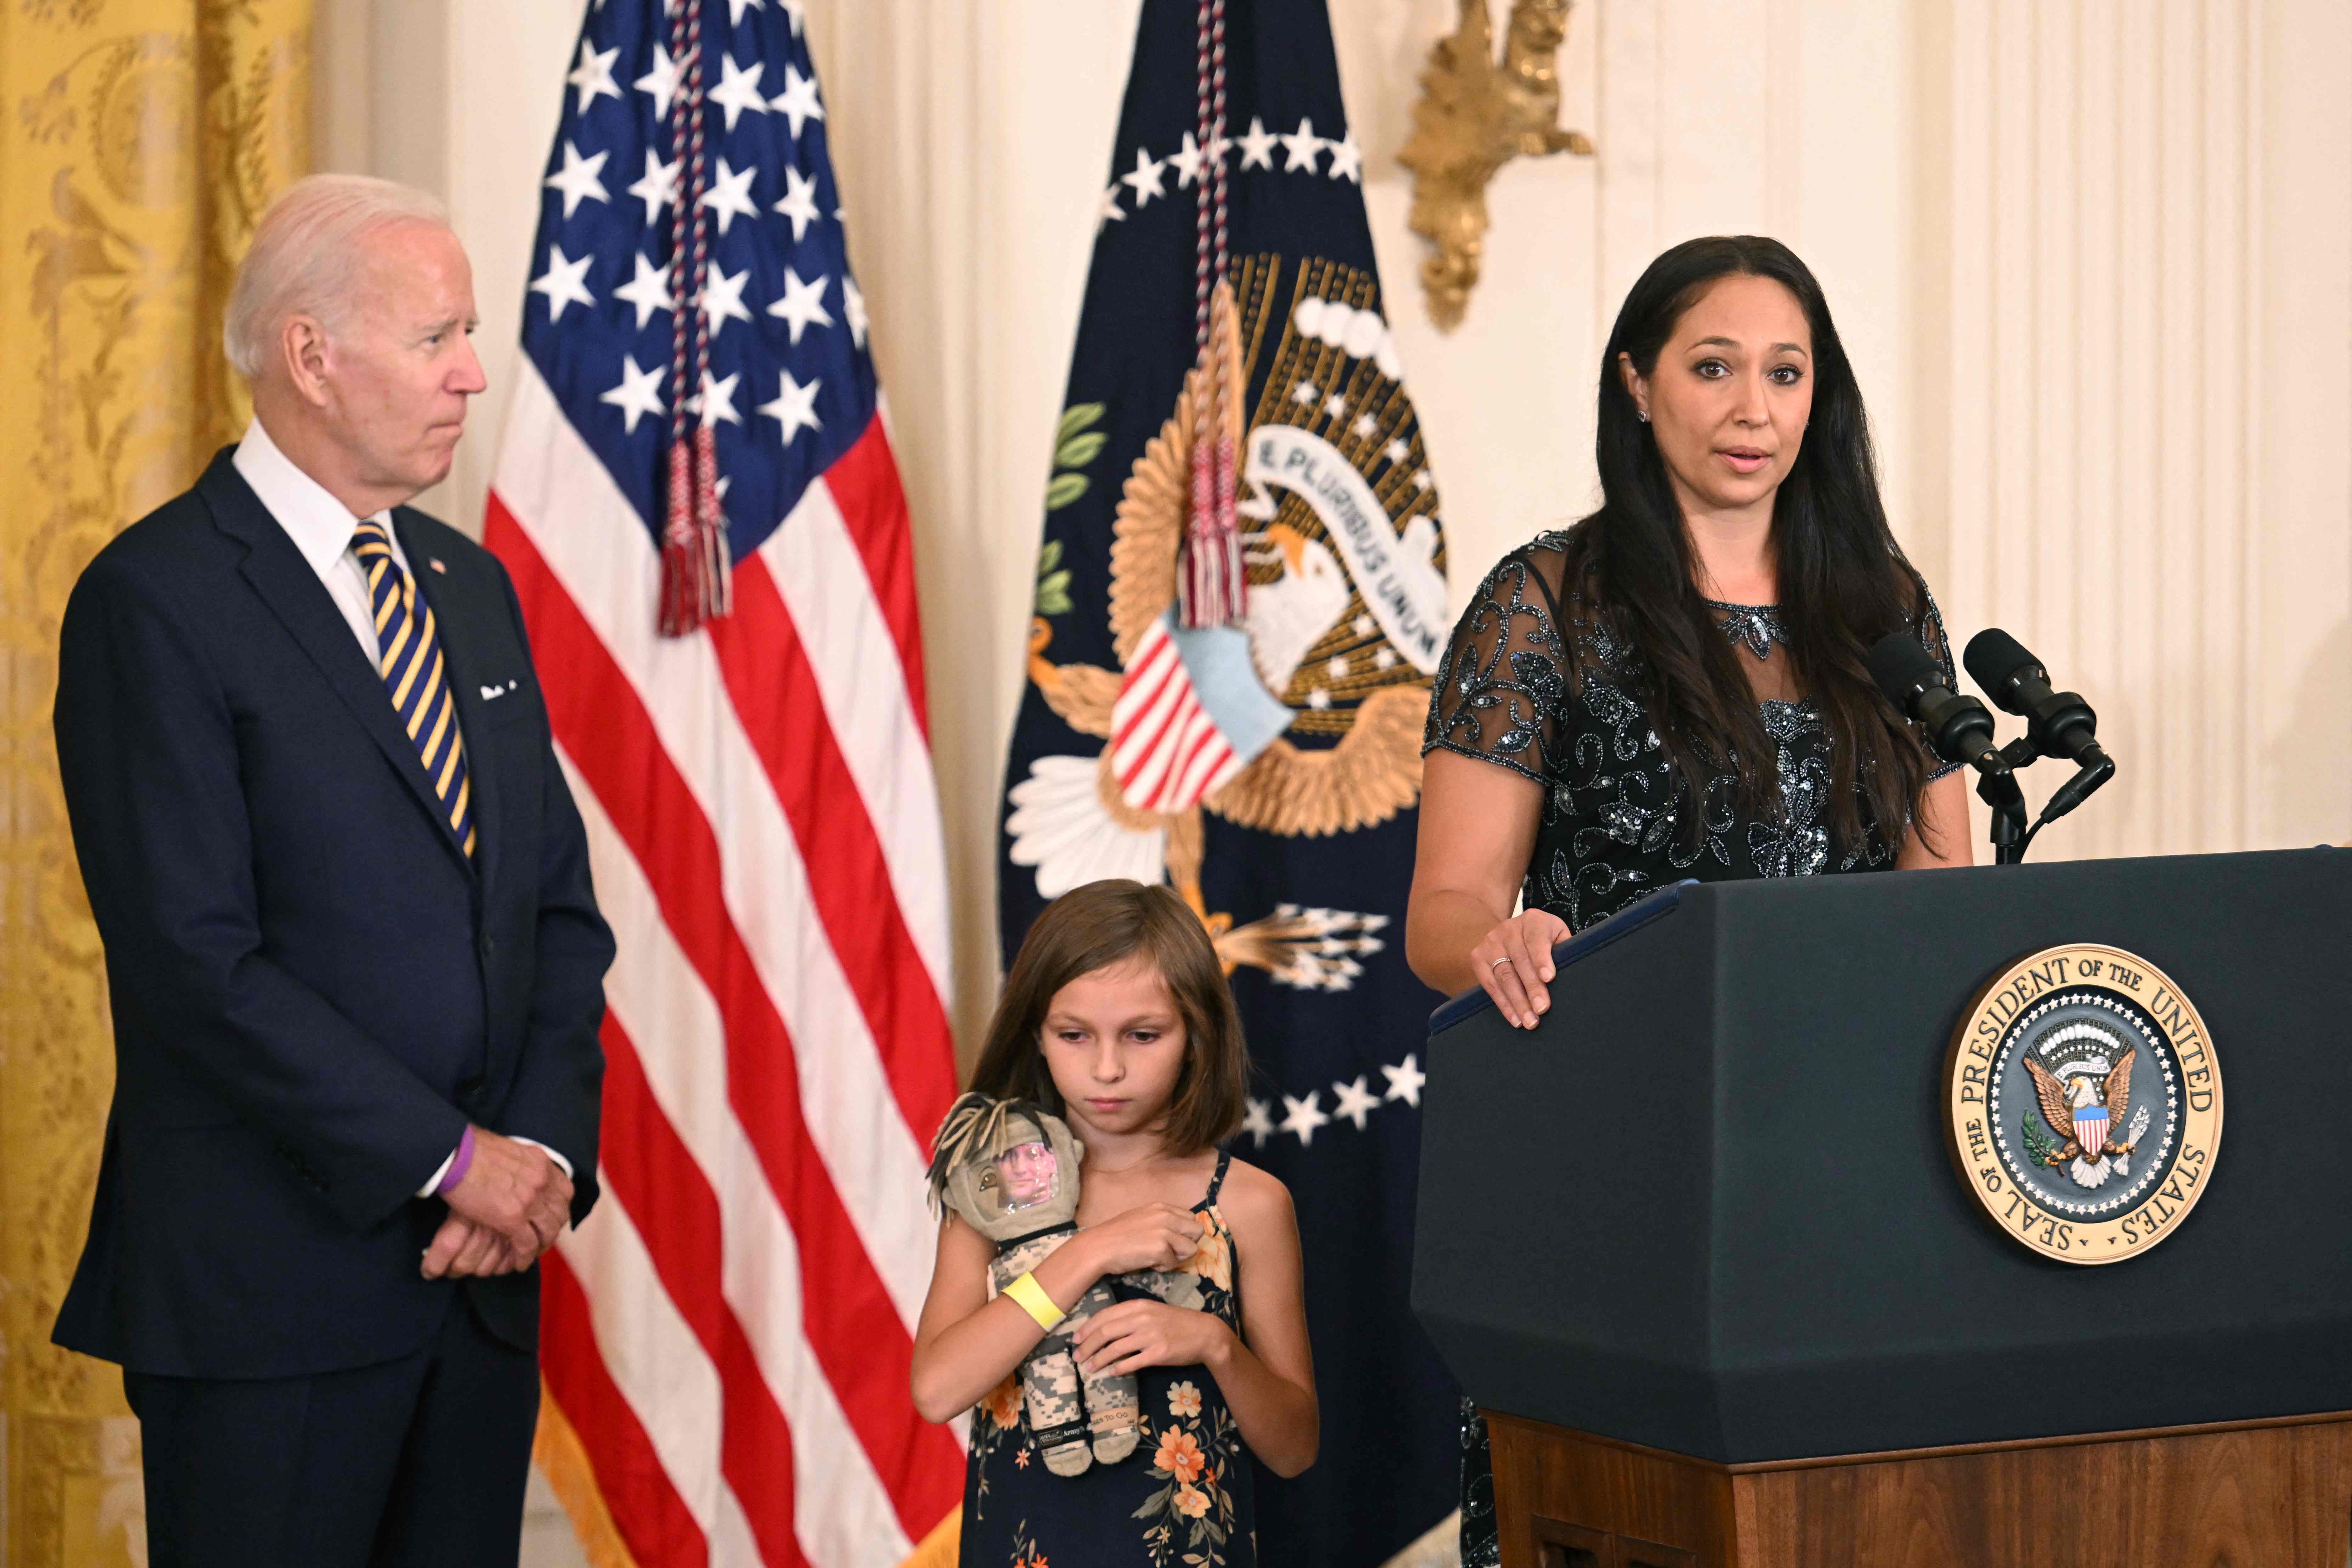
(1025, 1175)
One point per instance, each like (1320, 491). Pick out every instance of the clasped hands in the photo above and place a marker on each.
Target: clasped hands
(1132, 1335)
(509, 1206)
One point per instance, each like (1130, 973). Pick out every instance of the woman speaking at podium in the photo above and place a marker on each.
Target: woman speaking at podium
(1675, 686)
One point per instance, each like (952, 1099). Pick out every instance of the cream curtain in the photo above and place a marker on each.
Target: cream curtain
(139, 139)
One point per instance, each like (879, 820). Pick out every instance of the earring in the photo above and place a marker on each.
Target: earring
(1643, 415)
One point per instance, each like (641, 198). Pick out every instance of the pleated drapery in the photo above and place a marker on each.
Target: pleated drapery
(139, 141)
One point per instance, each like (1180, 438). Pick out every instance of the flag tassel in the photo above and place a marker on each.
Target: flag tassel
(697, 567)
(1212, 589)
(1212, 579)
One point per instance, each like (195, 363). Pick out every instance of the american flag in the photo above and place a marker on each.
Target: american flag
(727, 1339)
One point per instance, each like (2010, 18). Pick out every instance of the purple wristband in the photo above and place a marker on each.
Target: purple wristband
(458, 1163)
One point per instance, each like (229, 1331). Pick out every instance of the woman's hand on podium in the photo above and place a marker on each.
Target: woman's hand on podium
(1513, 963)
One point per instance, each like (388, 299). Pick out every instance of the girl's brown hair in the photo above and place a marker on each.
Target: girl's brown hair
(1095, 927)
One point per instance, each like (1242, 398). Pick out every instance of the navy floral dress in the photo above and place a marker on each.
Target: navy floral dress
(1537, 680)
(1182, 1499)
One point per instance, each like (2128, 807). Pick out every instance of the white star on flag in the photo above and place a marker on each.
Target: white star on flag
(1144, 180)
(1356, 1102)
(735, 9)
(853, 305)
(800, 201)
(798, 102)
(1302, 147)
(731, 194)
(1256, 1122)
(639, 392)
(662, 83)
(1111, 210)
(1365, 427)
(1347, 159)
(722, 296)
(795, 406)
(738, 89)
(594, 75)
(1187, 161)
(1396, 451)
(648, 291)
(1336, 406)
(803, 304)
(1304, 1116)
(797, 10)
(717, 401)
(561, 283)
(1406, 1080)
(1257, 147)
(1303, 392)
(659, 188)
(580, 178)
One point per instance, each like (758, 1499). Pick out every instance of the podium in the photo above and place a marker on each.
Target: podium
(1702, 1244)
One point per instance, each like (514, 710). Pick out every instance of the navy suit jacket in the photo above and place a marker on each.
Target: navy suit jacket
(313, 990)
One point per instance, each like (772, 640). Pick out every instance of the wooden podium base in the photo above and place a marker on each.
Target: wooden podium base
(2248, 1494)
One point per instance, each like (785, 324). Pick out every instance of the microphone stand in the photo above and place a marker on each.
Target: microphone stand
(2011, 836)
(1997, 788)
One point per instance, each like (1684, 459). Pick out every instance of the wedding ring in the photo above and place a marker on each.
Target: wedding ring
(1500, 961)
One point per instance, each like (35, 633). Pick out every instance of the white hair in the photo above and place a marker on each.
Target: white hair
(305, 255)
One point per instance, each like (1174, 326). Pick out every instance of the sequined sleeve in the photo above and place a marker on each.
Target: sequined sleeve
(1928, 626)
(1501, 690)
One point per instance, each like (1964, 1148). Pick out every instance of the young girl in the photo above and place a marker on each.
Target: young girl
(1116, 1018)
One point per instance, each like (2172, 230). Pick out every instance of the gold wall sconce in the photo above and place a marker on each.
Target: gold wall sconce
(1475, 115)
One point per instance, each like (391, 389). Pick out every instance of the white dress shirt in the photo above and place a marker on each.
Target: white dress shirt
(322, 528)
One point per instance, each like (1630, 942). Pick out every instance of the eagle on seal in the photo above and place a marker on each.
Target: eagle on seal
(2082, 1108)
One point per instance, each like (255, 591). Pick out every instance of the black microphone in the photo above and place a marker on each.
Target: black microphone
(1958, 727)
(2059, 723)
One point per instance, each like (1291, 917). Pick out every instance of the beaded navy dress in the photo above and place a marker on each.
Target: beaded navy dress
(1538, 680)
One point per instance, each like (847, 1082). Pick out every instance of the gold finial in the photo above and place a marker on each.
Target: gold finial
(1473, 116)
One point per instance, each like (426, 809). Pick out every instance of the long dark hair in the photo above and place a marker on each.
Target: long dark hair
(1843, 581)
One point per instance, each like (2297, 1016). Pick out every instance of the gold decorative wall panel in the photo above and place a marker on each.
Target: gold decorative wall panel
(139, 141)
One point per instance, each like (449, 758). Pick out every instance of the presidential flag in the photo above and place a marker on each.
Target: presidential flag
(695, 499)
(1241, 599)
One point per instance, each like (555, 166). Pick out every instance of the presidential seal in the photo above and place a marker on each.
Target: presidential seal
(2085, 1103)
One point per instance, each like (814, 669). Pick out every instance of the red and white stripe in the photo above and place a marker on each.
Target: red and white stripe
(731, 1332)
(1166, 750)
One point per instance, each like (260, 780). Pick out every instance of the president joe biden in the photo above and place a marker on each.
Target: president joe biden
(355, 959)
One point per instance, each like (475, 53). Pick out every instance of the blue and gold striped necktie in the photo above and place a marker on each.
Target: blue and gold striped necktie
(412, 674)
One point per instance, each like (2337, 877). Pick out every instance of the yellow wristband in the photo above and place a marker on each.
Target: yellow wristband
(1035, 1302)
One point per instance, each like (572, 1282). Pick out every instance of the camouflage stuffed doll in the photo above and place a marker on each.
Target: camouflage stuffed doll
(1009, 1170)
